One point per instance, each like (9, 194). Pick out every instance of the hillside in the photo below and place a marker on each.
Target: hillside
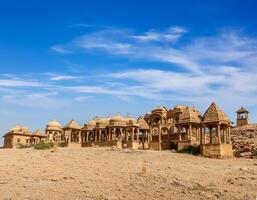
(244, 141)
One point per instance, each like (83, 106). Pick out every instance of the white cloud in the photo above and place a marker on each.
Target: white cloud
(60, 49)
(177, 29)
(220, 68)
(171, 34)
(18, 83)
(63, 77)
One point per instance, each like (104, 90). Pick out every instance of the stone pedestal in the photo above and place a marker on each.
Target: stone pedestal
(133, 144)
(217, 151)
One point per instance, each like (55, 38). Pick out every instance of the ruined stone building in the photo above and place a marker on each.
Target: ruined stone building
(160, 129)
(183, 126)
(116, 131)
(22, 136)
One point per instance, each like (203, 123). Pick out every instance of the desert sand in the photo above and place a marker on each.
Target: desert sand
(109, 173)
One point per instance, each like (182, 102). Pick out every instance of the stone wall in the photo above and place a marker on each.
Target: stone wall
(11, 140)
(8, 141)
(160, 146)
(242, 122)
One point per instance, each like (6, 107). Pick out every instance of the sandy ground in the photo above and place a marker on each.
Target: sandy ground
(108, 173)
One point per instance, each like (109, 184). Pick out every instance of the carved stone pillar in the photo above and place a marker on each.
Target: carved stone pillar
(190, 132)
(218, 133)
(210, 135)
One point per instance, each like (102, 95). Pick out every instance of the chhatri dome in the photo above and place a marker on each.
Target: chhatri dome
(53, 125)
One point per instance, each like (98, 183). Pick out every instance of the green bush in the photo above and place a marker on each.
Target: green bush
(44, 145)
(254, 152)
(63, 144)
(194, 150)
(22, 146)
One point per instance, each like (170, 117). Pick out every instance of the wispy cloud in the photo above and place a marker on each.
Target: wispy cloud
(63, 77)
(60, 49)
(171, 34)
(227, 48)
(18, 83)
(221, 67)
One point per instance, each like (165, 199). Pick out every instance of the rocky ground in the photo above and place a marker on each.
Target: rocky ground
(244, 141)
(109, 173)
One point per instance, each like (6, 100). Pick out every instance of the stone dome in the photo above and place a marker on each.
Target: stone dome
(129, 119)
(91, 124)
(93, 121)
(102, 122)
(118, 120)
(17, 128)
(53, 125)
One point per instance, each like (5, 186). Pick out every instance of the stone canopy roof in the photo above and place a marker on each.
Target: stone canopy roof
(142, 123)
(72, 125)
(242, 110)
(190, 115)
(53, 125)
(215, 114)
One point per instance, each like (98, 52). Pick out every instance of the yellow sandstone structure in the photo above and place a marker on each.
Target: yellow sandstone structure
(115, 131)
(18, 136)
(215, 138)
(160, 129)
(242, 117)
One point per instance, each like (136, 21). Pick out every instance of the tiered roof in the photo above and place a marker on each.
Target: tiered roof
(242, 110)
(190, 115)
(72, 125)
(142, 123)
(214, 114)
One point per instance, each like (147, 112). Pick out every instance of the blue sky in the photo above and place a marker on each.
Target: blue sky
(77, 59)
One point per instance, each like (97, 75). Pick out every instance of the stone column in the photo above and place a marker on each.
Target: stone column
(224, 136)
(126, 135)
(133, 134)
(179, 133)
(210, 135)
(204, 135)
(229, 135)
(160, 133)
(99, 136)
(150, 134)
(190, 132)
(201, 136)
(218, 134)
(114, 132)
(137, 136)
(79, 133)
(86, 135)
(109, 134)
(69, 133)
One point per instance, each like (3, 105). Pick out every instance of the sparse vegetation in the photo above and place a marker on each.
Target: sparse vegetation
(22, 146)
(194, 150)
(63, 144)
(44, 145)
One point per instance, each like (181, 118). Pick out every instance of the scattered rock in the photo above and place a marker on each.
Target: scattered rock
(244, 141)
